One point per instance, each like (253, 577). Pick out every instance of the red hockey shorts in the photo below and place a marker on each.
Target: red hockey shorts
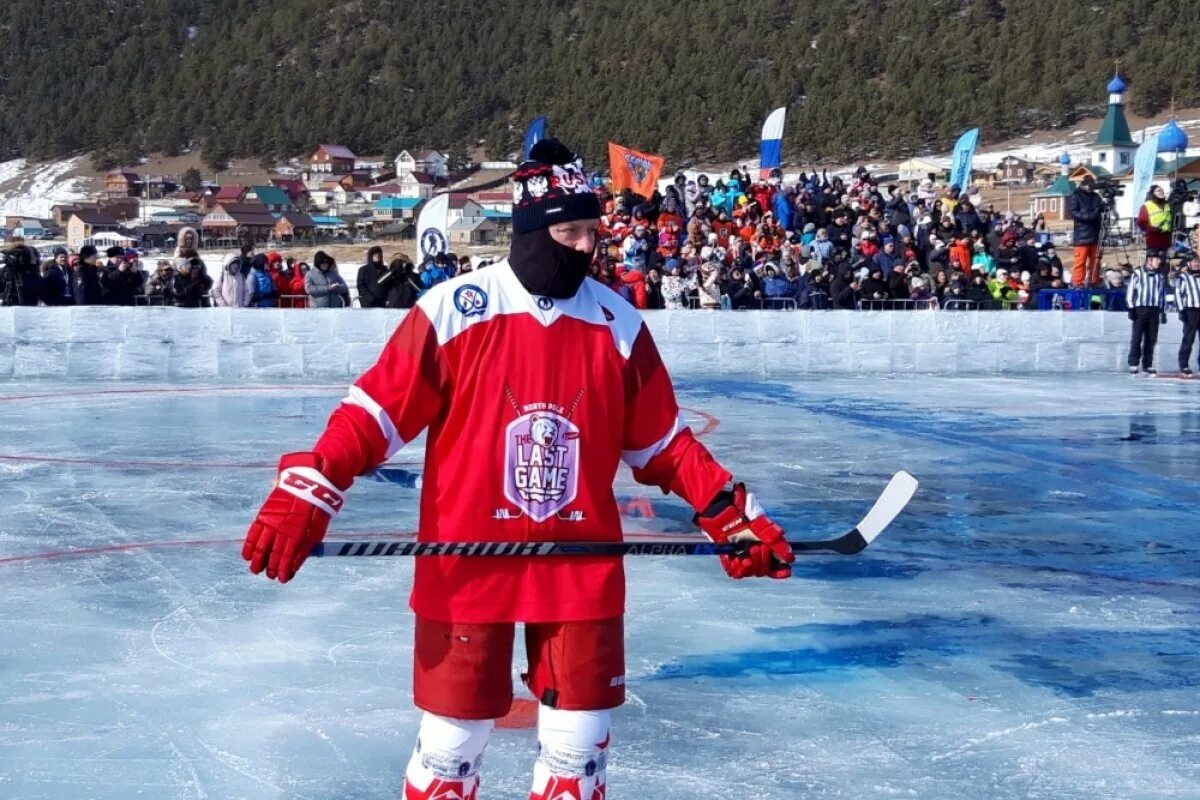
(464, 670)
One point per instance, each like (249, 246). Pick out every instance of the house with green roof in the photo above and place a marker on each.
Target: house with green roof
(1054, 202)
(275, 199)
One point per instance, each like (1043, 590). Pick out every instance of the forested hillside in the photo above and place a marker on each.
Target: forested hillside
(691, 79)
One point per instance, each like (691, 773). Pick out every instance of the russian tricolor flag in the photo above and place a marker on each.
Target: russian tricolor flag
(771, 154)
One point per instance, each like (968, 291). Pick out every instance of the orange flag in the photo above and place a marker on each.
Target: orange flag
(633, 170)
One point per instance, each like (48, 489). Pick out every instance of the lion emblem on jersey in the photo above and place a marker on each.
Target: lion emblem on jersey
(541, 475)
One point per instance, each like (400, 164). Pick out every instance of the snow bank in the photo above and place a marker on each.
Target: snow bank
(170, 344)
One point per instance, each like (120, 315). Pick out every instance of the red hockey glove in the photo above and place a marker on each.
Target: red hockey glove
(736, 518)
(294, 517)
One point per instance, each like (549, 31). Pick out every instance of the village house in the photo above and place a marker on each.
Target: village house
(83, 225)
(122, 183)
(241, 221)
(430, 162)
(1012, 169)
(294, 226)
(391, 209)
(331, 159)
(275, 199)
(231, 193)
(297, 192)
(418, 185)
(1054, 202)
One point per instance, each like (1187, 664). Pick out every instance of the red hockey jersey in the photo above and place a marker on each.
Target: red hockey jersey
(531, 406)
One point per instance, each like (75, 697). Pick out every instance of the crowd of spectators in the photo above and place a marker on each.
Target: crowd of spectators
(728, 243)
(824, 243)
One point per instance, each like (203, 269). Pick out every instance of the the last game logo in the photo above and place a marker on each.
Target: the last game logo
(542, 461)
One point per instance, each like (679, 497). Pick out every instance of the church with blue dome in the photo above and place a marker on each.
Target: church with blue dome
(1114, 148)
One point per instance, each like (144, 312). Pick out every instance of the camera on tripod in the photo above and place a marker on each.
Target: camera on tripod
(1110, 190)
(1180, 194)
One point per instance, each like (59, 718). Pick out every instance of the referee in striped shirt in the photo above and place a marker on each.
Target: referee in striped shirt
(1146, 297)
(1187, 300)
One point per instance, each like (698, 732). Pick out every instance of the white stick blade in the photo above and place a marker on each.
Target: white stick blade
(895, 497)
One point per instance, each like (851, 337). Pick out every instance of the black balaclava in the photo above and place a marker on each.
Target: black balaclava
(550, 187)
(546, 267)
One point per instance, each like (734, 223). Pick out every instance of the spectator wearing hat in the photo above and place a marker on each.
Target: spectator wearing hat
(192, 285)
(120, 280)
(160, 288)
(982, 260)
(56, 280)
(406, 287)
(277, 268)
(298, 297)
(324, 286)
(85, 280)
(1087, 212)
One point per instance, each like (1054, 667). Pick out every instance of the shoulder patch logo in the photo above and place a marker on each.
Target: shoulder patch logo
(545, 303)
(470, 300)
(608, 315)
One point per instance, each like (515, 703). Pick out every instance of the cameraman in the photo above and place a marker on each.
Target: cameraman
(1154, 220)
(1087, 211)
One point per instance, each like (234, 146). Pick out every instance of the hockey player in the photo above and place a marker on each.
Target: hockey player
(534, 384)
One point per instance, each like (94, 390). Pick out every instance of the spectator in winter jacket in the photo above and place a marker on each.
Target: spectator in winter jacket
(231, 289)
(298, 297)
(982, 259)
(245, 259)
(675, 286)
(434, 272)
(822, 247)
(375, 280)
(978, 292)
(406, 287)
(654, 290)
(259, 284)
(324, 286)
(1027, 254)
(775, 286)
(843, 291)
(874, 288)
(709, 285)
(1087, 213)
(1154, 220)
(280, 272)
(887, 259)
(120, 280)
(192, 285)
(85, 280)
(55, 289)
(160, 288)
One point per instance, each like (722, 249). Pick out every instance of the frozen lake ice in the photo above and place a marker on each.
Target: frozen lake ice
(1030, 627)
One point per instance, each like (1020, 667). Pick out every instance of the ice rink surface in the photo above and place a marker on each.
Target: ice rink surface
(1029, 628)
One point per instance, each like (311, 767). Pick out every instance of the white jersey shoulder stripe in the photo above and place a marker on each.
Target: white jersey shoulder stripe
(640, 458)
(387, 428)
(483, 295)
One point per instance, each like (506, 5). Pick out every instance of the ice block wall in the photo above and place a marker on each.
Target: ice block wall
(173, 344)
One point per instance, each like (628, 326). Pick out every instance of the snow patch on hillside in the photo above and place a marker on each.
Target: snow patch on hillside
(31, 189)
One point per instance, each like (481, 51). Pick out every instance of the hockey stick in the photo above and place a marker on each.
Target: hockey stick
(895, 497)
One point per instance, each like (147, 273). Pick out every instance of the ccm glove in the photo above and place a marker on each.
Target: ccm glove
(294, 517)
(736, 518)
